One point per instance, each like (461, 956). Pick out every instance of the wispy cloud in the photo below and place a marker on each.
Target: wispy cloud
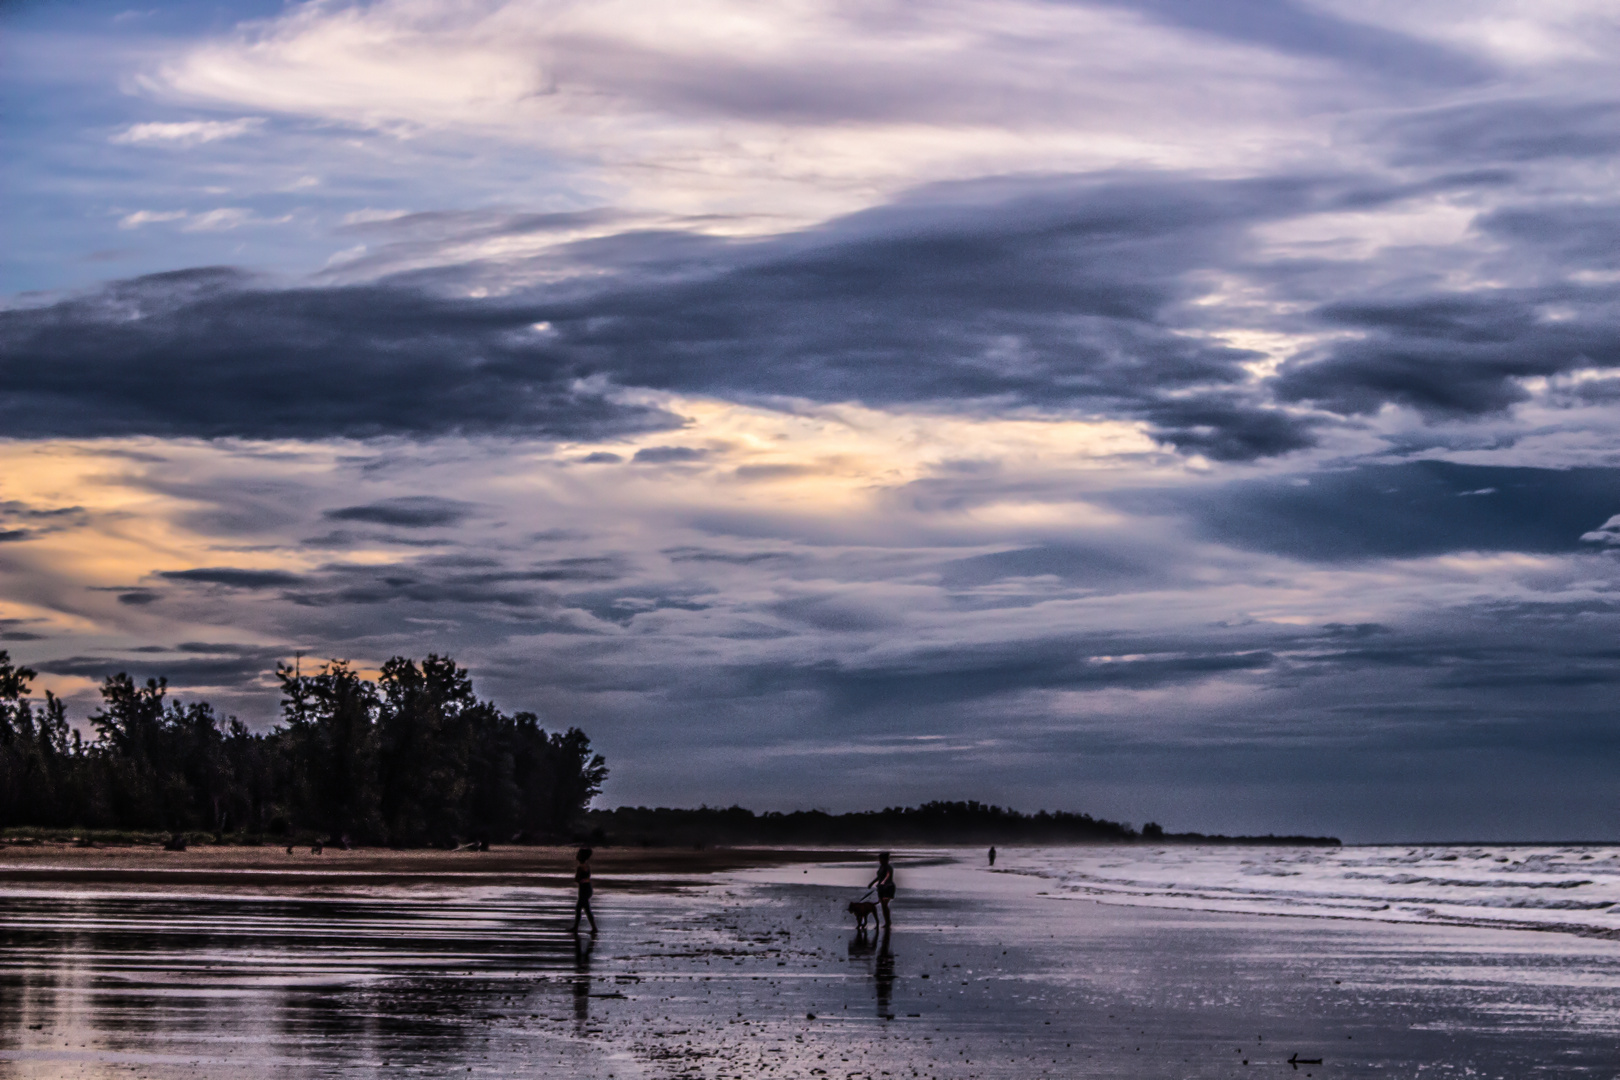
(220, 219)
(148, 217)
(185, 133)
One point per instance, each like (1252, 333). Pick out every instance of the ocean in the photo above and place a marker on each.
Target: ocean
(1567, 888)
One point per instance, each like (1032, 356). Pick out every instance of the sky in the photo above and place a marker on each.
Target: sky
(1168, 410)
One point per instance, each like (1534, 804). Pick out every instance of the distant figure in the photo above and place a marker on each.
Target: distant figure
(885, 884)
(317, 848)
(289, 849)
(992, 854)
(582, 878)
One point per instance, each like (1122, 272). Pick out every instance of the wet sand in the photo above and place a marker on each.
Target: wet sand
(276, 868)
(757, 972)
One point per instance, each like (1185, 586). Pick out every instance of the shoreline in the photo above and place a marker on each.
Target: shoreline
(633, 869)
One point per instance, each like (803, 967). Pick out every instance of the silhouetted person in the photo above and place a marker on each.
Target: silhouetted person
(885, 884)
(582, 878)
(992, 854)
(884, 974)
(317, 848)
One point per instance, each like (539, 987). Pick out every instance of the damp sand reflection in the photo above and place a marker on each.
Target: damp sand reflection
(761, 973)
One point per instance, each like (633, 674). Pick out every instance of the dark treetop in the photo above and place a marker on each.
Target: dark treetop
(412, 758)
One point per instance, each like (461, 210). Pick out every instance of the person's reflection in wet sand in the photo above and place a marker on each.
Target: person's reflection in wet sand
(583, 945)
(884, 974)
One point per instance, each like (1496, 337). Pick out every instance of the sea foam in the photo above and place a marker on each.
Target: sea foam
(1574, 888)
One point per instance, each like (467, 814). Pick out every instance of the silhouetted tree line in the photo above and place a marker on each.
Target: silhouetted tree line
(931, 823)
(413, 758)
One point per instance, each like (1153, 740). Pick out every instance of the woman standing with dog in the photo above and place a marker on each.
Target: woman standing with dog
(885, 884)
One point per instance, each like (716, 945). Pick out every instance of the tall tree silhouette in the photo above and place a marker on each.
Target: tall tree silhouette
(412, 758)
(37, 751)
(132, 763)
(426, 726)
(332, 743)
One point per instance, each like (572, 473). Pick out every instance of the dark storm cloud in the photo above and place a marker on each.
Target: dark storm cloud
(233, 577)
(1407, 510)
(1522, 652)
(1375, 195)
(1228, 427)
(583, 568)
(1457, 678)
(1506, 132)
(24, 511)
(661, 455)
(1428, 674)
(1454, 354)
(833, 613)
(241, 669)
(735, 558)
(10, 630)
(410, 512)
(207, 353)
(968, 672)
(1070, 563)
(1058, 293)
(454, 581)
(217, 648)
(1584, 234)
(20, 521)
(366, 587)
(617, 607)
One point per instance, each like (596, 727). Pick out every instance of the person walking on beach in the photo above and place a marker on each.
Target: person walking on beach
(992, 854)
(885, 884)
(582, 878)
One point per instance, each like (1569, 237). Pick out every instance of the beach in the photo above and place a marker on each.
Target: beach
(1106, 962)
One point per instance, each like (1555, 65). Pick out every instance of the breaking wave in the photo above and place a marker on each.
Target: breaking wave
(1572, 889)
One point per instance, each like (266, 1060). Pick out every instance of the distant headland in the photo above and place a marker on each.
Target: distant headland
(931, 823)
(412, 759)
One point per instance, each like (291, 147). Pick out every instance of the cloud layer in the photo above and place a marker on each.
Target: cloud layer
(1071, 295)
(1198, 412)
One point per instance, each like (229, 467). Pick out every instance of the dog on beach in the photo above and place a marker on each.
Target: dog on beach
(863, 910)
